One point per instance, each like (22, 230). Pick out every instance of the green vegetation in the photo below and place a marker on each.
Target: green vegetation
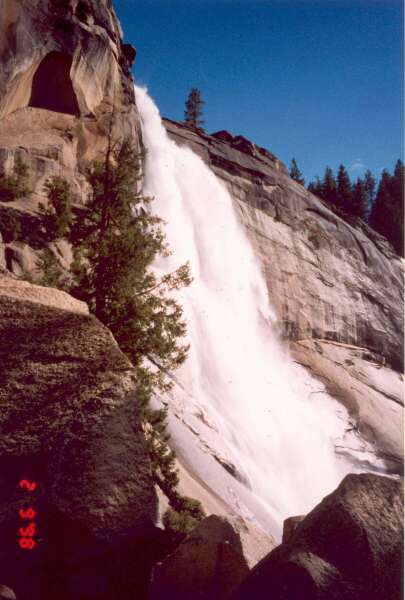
(383, 211)
(295, 173)
(10, 226)
(193, 112)
(58, 214)
(329, 186)
(16, 185)
(359, 199)
(315, 187)
(115, 239)
(49, 266)
(387, 213)
(369, 186)
(344, 190)
(185, 518)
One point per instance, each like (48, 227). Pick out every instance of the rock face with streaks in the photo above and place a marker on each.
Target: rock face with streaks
(70, 422)
(337, 288)
(65, 87)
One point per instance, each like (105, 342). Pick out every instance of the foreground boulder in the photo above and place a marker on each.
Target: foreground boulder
(350, 547)
(209, 564)
(69, 423)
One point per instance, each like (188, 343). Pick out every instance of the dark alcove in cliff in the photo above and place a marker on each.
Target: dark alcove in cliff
(52, 86)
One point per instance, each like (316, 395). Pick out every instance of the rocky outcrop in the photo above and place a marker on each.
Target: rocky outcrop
(208, 564)
(50, 51)
(65, 87)
(350, 547)
(6, 593)
(289, 527)
(256, 542)
(372, 392)
(69, 422)
(337, 288)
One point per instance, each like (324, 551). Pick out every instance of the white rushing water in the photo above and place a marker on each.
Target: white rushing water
(264, 413)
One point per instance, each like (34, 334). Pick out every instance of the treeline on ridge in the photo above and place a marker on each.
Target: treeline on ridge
(380, 204)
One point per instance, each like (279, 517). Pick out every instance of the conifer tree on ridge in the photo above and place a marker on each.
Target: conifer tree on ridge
(193, 112)
(295, 173)
(344, 189)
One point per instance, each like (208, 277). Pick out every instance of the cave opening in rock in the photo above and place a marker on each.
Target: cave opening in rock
(52, 86)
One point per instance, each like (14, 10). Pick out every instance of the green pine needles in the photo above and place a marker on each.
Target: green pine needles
(194, 109)
(14, 186)
(115, 239)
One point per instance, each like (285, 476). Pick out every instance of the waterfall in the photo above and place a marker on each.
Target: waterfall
(263, 417)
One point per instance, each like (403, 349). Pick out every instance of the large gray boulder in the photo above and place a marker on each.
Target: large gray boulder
(70, 422)
(208, 565)
(350, 547)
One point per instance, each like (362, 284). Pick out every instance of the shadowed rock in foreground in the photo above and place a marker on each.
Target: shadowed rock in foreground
(208, 564)
(70, 422)
(350, 547)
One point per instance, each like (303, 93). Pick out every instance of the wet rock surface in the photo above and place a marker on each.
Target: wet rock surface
(337, 288)
(372, 393)
(327, 279)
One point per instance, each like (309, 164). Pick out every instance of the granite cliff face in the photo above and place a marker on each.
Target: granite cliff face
(327, 280)
(65, 87)
(336, 287)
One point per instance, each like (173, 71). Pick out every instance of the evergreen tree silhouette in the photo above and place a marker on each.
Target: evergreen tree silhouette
(359, 199)
(387, 214)
(193, 112)
(369, 185)
(329, 186)
(315, 187)
(344, 189)
(295, 173)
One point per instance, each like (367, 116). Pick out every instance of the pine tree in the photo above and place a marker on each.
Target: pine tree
(398, 182)
(193, 112)
(315, 187)
(359, 200)
(16, 185)
(115, 240)
(382, 205)
(50, 269)
(295, 173)
(58, 214)
(387, 213)
(329, 187)
(344, 190)
(369, 186)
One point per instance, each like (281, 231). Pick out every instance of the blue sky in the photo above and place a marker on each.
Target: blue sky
(318, 80)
